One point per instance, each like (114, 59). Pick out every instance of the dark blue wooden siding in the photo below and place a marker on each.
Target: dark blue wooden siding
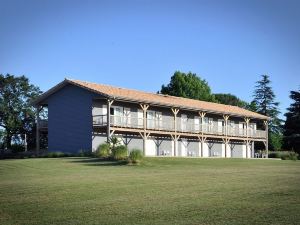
(70, 120)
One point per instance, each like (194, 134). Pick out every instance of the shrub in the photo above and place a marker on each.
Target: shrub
(120, 152)
(103, 150)
(275, 154)
(84, 153)
(15, 148)
(135, 156)
(290, 155)
(55, 154)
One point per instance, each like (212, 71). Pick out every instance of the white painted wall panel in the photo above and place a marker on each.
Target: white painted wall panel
(150, 148)
(205, 150)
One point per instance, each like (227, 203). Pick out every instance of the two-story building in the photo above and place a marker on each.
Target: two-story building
(82, 115)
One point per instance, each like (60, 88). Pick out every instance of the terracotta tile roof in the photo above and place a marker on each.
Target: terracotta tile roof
(167, 100)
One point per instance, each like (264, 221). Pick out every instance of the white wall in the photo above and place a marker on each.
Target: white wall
(150, 148)
(205, 149)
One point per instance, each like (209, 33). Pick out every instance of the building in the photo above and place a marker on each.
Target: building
(82, 115)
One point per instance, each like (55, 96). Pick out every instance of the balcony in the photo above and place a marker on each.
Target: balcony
(167, 124)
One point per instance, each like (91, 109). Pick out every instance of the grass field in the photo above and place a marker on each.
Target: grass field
(160, 191)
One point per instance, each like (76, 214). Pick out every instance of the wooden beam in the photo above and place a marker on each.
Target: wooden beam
(175, 111)
(144, 106)
(108, 133)
(112, 132)
(267, 136)
(37, 129)
(202, 114)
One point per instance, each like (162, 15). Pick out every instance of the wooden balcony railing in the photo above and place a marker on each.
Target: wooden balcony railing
(167, 124)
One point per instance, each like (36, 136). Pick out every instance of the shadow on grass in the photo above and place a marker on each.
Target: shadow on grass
(98, 162)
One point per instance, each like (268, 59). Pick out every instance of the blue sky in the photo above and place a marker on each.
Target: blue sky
(139, 44)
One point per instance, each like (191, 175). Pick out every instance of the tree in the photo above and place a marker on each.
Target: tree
(17, 116)
(292, 124)
(252, 106)
(229, 99)
(264, 99)
(188, 86)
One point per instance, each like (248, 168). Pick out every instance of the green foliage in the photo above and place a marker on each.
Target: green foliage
(55, 154)
(188, 86)
(264, 99)
(103, 150)
(284, 155)
(229, 99)
(85, 153)
(17, 116)
(276, 140)
(17, 148)
(290, 156)
(292, 124)
(276, 154)
(252, 106)
(120, 152)
(135, 156)
(113, 142)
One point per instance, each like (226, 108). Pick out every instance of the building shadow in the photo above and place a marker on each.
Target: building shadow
(97, 162)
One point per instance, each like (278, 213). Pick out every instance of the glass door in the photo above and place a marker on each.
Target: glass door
(150, 119)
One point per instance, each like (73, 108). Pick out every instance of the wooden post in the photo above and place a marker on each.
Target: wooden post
(202, 140)
(25, 142)
(145, 137)
(202, 115)
(175, 139)
(37, 129)
(175, 112)
(144, 108)
(226, 117)
(247, 135)
(109, 103)
(267, 137)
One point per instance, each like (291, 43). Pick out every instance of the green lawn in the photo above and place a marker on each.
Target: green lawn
(160, 191)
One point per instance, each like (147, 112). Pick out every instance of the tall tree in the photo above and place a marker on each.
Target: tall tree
(264, 99)
(16, 113)
(229, 99)
(189, 86)
(292, 124)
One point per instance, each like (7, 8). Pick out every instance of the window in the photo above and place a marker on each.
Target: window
(184, 120)
(150, 119)
(210, 124)
(127, 117)
(116, 115)
(158, 120)
(197, 124)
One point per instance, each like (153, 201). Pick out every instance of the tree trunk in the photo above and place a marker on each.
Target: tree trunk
(8, 140)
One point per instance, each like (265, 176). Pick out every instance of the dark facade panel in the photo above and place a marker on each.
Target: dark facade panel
(70, 120)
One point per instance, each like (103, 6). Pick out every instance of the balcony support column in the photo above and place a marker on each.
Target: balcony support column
(175, 139)
(226, 141)
(108, 133)
(267, 137)
(247, 120)
(144, 135)
(202, 138)
(37, 141)
(226, 117)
